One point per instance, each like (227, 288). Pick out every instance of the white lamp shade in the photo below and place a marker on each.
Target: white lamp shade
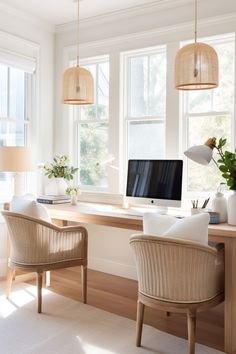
(16, 159)
(201, 154)
(78, 88)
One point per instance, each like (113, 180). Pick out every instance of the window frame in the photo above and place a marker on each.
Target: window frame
(185, 115)
(76, 114)
(126, 118)
(26, 121)
(174, 132)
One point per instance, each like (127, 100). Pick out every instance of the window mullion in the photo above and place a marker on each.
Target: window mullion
(97, 85)
(8, 92)
(148, 84)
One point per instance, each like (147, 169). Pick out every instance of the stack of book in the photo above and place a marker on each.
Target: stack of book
(53, 199)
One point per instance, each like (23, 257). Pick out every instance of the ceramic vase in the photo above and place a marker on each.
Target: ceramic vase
(73, 199)
(57, 186)
(232, 209)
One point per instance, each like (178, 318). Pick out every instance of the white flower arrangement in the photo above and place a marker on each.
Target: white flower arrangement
(73, 191)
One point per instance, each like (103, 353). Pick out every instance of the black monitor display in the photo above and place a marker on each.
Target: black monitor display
(155, 179)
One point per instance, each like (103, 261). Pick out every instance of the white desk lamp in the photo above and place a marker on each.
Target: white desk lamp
(16, 159)
(202, 154)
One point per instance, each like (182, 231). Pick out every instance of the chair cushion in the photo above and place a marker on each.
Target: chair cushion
(192, 228)
(29, 207)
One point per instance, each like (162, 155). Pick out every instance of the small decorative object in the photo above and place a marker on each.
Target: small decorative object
(59, 171)
(231, 208)
(219, 204)
(214, 217)
(195, 211)
(73, 192)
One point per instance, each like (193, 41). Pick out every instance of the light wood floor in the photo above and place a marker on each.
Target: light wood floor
(119, 295)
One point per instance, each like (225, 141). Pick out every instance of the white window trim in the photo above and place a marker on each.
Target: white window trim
(84, 62)
(124, 57)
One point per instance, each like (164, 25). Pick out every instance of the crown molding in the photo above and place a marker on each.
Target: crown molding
(155, 33)
(119, 15)
(22, 15)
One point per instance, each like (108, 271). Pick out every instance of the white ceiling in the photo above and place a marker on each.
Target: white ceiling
(62, 11)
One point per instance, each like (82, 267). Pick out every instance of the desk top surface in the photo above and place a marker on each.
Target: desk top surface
(115, 216)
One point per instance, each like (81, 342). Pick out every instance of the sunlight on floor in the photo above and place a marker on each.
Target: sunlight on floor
(93, 349)
(18, 299)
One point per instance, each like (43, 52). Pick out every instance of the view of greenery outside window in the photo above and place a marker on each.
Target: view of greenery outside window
(210, 113)
(92, 125)
(14, 120)
(145, 101)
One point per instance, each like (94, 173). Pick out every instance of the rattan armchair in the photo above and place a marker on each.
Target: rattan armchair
(38, 246)
(177, 276)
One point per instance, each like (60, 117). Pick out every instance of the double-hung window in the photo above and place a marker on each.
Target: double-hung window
(16, 99)
(209, 113)
(92, 130)
(145, 103)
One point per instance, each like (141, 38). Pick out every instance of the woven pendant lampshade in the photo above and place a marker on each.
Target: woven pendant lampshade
(196, 65)
(78, 87)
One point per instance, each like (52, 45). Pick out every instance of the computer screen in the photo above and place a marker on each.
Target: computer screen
(155, 182)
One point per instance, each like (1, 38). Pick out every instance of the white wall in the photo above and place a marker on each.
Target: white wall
(109, 248)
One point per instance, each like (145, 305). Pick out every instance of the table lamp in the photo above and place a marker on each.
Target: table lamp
(16, 159)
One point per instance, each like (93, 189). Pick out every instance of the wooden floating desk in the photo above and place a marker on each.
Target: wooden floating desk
(114, 216)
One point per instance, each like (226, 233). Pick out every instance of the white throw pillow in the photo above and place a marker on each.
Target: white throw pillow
(23, 205)
(157, 224)
(192, 228)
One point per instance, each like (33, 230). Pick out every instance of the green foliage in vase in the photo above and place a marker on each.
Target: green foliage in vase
(60, 168)
(227, 164)
(73, 191)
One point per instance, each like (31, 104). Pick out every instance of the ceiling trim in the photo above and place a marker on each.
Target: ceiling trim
(121, 14)
(22, 15)
(155, 33)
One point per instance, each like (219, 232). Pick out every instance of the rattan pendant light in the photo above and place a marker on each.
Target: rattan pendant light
(196, 65)
(78, 88)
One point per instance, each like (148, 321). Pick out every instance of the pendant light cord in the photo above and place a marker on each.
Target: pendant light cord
(195, 70)
(77, 55)
(195, 21)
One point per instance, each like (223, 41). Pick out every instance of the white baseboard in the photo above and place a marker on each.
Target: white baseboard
(108, 266)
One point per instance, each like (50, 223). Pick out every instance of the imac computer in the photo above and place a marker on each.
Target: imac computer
(154, 182)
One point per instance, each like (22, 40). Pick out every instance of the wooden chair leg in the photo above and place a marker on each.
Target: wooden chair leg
(10, 276)
(139, 323)
(84, 283)
(39, 290)
(191, 331)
